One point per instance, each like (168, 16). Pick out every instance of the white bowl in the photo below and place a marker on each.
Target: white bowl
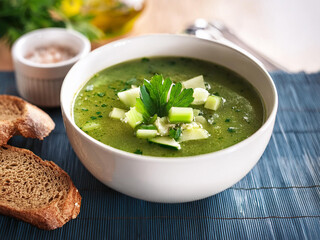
(40, 83)
(161, 179)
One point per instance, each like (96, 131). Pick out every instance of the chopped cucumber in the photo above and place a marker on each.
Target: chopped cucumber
(190, 125)
(166, 141)
(163, 125)
(196, 112)
(213, 102)
(90, 126)
(146, 133)
(129, 97)
(200, 96)
(196, 82)
(200, 119)
(89, 88)
(117, 113)
(180, 114)
(133, 117)
(193, 134)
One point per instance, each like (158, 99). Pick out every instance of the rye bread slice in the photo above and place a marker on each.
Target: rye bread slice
(20, 117)
(36, 191)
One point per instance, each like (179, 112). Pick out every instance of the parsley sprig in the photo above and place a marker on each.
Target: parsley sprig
(18, 17)
(154, 99)
(175, 133)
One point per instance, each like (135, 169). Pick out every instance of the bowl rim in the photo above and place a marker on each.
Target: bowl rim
(24, 38)
(147, 158)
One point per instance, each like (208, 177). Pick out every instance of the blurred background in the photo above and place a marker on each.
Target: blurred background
(286, 31)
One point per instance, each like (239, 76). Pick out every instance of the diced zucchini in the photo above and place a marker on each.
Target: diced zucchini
(200, 96)
(117, 113)
(196, 112)
(180, 114)
(213, 102)
(190, 125)
(166, 141)
(133, 117)
(90, 126)
(196, 82)
(200, 119)
(146, 133)
(163, 125)
(193, 134)
(129, 97)
(89, 88)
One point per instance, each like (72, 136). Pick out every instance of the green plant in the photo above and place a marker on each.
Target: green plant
(18, 17)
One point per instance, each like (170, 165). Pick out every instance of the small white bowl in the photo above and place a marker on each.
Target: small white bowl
(40, 83)
(161, 179)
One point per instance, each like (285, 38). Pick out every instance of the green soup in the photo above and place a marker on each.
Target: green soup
(241, 114)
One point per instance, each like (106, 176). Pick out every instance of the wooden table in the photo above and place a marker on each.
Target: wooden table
(287, 31)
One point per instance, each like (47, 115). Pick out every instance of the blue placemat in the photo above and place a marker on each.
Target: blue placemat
(278, 199)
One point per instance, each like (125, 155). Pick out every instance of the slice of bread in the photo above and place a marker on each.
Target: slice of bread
(36, 191)
(20, 117)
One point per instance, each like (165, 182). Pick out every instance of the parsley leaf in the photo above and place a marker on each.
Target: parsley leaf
(154, 94)
(128, 85)
(142, 109)
(179, 98)
(175, 133)
(138, 151)
(21, 16)
(154, 97)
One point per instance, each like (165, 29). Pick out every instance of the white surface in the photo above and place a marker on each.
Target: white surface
(287, 31)
(168, 179)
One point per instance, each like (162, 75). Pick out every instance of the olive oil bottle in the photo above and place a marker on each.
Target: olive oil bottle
(114, 17)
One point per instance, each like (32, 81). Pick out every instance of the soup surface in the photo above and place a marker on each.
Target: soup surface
(240, 115)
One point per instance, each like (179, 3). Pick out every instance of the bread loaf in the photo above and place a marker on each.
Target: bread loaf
(36, 191)
(20, 117)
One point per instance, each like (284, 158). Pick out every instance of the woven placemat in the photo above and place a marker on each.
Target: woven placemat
(278, 199)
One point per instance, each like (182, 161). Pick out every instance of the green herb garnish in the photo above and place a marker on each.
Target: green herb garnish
(138, 151)
(89, 88)
(175, 133)
(132, 81)
(113, 88)
(154, 97)
(231, 129)
(128, 84)
(149, 127)
(21, 16)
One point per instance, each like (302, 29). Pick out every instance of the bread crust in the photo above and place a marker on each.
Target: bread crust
(53, 215)
(33, 122)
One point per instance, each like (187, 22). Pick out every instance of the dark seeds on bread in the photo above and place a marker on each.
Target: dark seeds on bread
(36, 191)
